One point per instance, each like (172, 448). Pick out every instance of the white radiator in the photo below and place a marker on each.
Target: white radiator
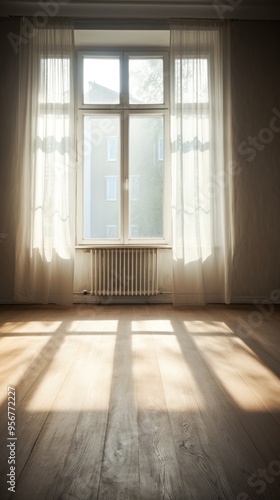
(124, 271)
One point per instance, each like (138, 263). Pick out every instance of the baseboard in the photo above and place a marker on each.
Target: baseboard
(245, 299)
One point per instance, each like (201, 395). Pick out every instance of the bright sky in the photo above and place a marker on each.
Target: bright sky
(105, 72)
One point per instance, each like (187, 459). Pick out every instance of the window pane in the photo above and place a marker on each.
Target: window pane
(194, 75)
(134, 187)
(111, 187)
(101, 76)
(146, 177)
(101, 178)
(145, 80)
(112, 148)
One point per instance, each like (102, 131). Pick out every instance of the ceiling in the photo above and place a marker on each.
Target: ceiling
(122, 38)
(144, 9)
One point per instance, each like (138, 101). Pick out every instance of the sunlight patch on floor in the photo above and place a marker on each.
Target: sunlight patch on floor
(204, 328)
(156, 325)
(108, 325)
(248, 383)
(86, 386)
(31, 327)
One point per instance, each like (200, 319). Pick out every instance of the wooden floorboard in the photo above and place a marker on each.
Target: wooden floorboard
(82, 464)
(158, 466)
(142, 402)
(256, 422)
(120, 457)
(201, 468)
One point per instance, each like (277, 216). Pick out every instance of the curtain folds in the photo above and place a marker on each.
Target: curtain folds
(201, 153)
(45, 227)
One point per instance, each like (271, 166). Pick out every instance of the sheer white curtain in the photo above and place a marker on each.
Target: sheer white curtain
(201, 180)
(45, 226)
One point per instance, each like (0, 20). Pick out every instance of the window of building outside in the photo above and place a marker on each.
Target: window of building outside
(124, 172)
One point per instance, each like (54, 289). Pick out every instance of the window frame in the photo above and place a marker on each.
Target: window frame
(124, 110)
(80, 240)
(141, 54)
(98, 53)
(167, 174)
(123, 56)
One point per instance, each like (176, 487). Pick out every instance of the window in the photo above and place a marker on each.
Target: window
(101, 179)
(111, 231)
(134, 230)
(112, 148)
(160, 150)
(101, 80)
(123, 116)
(134, 187)
(145, 80)
(111, 187)
(147, 213)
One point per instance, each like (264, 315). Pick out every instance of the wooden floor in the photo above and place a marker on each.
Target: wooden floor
(142, 402)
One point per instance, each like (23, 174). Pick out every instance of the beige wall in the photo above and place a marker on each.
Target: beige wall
(255, 49)
(8, 197)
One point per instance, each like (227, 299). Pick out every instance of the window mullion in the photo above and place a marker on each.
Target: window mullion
(125, 128)
(125, 175)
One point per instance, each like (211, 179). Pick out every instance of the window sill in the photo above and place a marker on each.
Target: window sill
(126, 246)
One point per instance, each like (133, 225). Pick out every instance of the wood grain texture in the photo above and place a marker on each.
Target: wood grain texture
(223, 416)
(141, 402)
(119, 491)
(82, 464)
(120, 463)
(159, 471)
(201, 467)
(52, 444)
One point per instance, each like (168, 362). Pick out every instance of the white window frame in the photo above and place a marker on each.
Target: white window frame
(167, 173)
(103, 55)
(124, 110)
(152, 54)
